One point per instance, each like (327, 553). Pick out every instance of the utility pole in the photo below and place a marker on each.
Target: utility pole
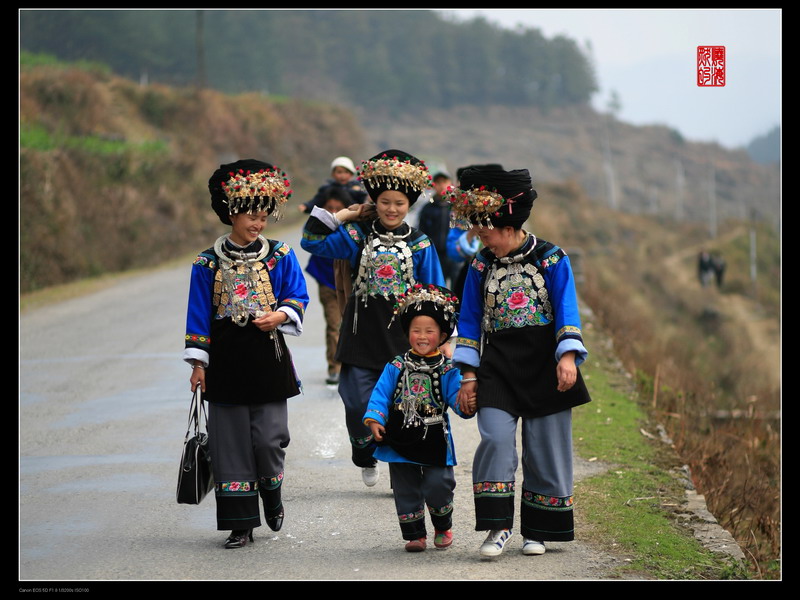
(200, 50)
(680, 183)
(712, 202)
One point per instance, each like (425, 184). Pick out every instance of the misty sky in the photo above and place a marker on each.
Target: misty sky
(648, 56)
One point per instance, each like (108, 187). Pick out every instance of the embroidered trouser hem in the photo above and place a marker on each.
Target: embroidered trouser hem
(269, 488)
(237, 506)
(547, 518)
(415, 486)
(494, 505)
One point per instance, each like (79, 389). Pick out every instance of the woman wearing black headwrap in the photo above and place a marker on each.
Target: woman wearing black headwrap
(518, 349)
(246, 292)
(387, 257)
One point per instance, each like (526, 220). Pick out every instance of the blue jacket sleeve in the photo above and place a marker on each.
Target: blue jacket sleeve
(382, 398)
(343, 242)
(451, 383)
(459, 248)
(564, 300)
(289, 286)
(427, 268)
(198, 314)
(467, 350)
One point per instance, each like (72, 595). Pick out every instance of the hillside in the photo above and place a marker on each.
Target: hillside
(113, 175)
(645, 170)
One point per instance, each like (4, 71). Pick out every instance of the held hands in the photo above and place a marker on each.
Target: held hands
(566, 371)
(378, 430)
(271, 321)
(468, 396)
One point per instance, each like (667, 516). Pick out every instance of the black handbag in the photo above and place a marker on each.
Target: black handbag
(195, 477)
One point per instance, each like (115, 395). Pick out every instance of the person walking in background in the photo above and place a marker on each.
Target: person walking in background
(343, 177)
(434, 221)
(387, 257)
(321, 268)
(245, 293)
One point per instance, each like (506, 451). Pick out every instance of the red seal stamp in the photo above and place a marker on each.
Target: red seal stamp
(711, 66)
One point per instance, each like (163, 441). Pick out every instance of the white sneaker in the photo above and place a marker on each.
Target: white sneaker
(532, 547)
(495, 542)
(370, 475)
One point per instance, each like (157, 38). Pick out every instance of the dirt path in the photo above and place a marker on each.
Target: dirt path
(762, 330)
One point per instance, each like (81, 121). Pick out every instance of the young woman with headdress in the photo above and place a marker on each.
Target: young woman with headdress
(518, 347)
(387, 257)
(246, 292)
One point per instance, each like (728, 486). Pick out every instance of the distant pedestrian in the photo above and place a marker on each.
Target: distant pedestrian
(718, 264)
(434, 220)
(705, 268)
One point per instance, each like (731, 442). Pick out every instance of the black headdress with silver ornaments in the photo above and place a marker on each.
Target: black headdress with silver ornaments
(491, 197)
(248, 186)
(386, 267)
(395, 170)
(430, 300)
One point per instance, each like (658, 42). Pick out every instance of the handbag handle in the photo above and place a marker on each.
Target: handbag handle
(196, 409)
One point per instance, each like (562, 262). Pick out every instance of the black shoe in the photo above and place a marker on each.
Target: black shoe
(333, 379)
(275, 523)
(238, 538)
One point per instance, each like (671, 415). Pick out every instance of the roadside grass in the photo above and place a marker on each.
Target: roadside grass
(631, 509)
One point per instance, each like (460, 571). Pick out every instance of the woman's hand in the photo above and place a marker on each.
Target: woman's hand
(566, 371)
(378, 430)
(198, 378)
(468, 395)
(355, 212)
(271, 321)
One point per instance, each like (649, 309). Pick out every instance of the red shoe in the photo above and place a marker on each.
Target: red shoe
(417, 545)
(443, 539)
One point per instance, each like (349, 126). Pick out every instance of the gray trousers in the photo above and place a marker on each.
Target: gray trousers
(355, 388)
(415, 486)
(247, 445)
(547, 484)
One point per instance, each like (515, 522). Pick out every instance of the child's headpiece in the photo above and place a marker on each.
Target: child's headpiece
(248, 186)
(491, 197)
(394, 170)
(430, 300)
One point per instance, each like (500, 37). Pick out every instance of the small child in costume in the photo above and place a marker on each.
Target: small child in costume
(407, 414)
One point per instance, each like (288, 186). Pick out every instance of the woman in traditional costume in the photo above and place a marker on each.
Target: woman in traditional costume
(246, 292)
(519, 345)
(387, 258)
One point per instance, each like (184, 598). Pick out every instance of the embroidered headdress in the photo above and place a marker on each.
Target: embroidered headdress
(394, 170)
(430, 300)
(491, 197)
(248, 186)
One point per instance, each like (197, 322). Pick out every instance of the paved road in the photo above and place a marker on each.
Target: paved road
(103, 403)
